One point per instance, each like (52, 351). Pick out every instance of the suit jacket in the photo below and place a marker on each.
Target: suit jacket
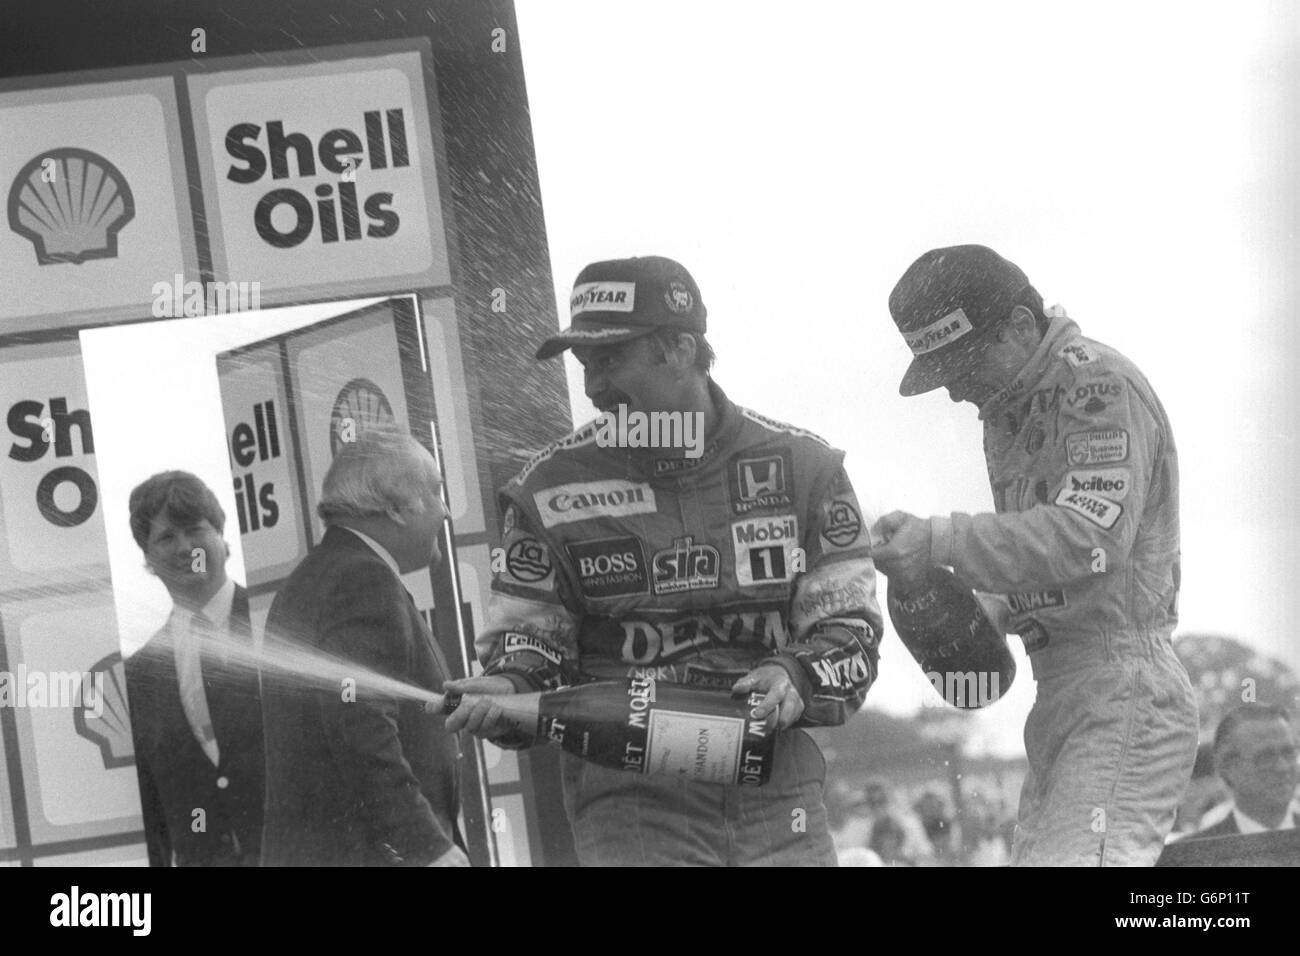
(1225, 827)
(371, 781)
(176, 776)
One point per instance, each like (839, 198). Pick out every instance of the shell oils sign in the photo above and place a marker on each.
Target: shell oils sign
(49, 492)
(322, 174)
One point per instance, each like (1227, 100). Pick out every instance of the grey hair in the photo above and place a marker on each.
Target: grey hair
(382, 469)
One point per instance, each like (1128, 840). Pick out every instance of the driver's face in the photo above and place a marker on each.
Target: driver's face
(632, 373)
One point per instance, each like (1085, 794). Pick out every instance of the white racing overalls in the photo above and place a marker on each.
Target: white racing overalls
(1084, 555)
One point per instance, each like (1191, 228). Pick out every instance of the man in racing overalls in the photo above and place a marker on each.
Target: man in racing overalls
(1083, 551)
(737, 560)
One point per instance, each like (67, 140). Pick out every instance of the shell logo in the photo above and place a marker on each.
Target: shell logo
(110, 728)
(70, 204)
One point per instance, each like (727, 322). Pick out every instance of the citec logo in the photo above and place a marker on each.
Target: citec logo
(686, 566)
(581, 501)
(610, 567)
(765, 482)
(70, 204)
(1112, 483)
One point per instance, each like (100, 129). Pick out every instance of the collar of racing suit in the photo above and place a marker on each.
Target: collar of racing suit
(646, 462)
(1058, 331)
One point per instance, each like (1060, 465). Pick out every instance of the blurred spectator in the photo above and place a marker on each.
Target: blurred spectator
(887, 841)
(939, 826)
(984, 829)
(1255, 754)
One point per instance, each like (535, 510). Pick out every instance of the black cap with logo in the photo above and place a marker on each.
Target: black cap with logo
(945, 305)
(623, 299)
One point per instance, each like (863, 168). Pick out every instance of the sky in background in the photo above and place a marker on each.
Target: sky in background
(1131, 158)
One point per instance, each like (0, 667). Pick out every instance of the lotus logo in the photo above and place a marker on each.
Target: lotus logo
(70, 204)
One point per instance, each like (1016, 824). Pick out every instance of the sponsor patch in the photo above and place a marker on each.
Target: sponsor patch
(675, 466)
(602, 297)
(686, 566)
(582, 500)
(513, 641)
(1112, 483)
(1094, 394)
(839, 672)
(764, 482)
(1027, 601)
(609, 567)
(529, 561)
(771, 424)
(841, 524)
(1035, 637)
(659, 638)
(1100, 511)
(583, 436)
(1101, 447)
(1078, 354)
(678, 298)
(938, 333)
(762, 549)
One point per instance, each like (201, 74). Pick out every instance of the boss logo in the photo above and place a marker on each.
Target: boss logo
(609, 567)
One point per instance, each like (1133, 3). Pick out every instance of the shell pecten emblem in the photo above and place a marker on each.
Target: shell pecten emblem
(70, 203)
(102, 715)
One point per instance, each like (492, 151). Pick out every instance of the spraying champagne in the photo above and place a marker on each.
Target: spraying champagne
(647, 726)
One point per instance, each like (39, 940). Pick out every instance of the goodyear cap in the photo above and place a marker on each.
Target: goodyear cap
(623, 299)
(945, 304)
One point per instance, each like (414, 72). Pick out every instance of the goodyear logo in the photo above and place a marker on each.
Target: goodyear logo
(602, 297)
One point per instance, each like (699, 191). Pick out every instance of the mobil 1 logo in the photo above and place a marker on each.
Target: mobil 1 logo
(610, 567)
(761, 482)
(766, 549)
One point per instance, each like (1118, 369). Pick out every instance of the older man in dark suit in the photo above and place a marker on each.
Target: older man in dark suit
(364, 778)
(1255, 754)
(195, 709)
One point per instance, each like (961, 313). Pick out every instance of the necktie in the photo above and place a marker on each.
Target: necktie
(189, 672)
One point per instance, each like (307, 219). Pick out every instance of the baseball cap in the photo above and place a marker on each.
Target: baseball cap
(623, 299)
(945, 305)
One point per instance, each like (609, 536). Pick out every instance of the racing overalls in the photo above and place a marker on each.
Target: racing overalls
(624, 561)
(1084, 554)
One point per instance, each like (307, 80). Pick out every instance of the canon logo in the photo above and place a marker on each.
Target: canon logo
(567, 502)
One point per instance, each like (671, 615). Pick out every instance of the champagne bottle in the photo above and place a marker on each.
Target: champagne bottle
(963, 655)
(646, 726)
